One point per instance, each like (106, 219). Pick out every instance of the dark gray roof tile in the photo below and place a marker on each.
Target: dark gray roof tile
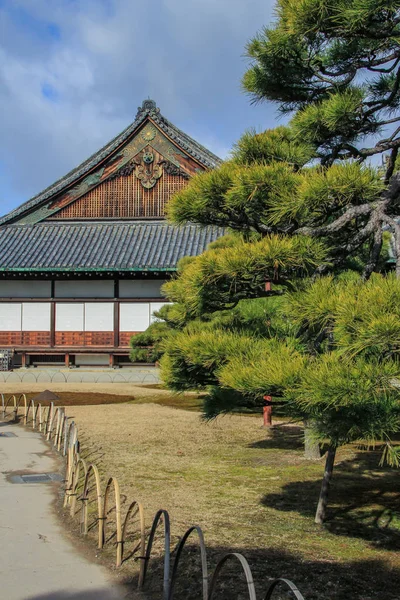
(101, 245)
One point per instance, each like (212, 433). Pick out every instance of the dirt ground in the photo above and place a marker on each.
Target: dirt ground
(140, 394)
(120, 389)
(252, 491)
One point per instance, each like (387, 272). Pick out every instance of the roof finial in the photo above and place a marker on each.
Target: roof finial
(148, 107)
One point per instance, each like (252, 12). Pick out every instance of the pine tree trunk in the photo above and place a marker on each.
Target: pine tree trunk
(320, 515)
(311, 446)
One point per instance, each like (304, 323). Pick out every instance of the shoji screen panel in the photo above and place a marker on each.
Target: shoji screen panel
(10, 324)
(36, 323)
(36, 316)
(99, 324)
(70, 318)
(134, 317)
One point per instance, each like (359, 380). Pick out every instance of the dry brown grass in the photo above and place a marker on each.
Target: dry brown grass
(251, 490)
(172, 459)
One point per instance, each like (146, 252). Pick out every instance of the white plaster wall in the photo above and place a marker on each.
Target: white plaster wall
(10, 316)
(140, 288)
(92, 359)
(87, 288)
(134, 316)
(36, 316)
(99, 316)
(25, 289)
(70, 317)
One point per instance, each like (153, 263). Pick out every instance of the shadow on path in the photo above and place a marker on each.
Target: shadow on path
(97, 594)
(316, 579)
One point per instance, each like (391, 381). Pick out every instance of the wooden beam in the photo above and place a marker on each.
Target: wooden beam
(52, 324)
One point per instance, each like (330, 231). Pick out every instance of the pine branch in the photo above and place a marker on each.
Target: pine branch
(396, 235)
(391, 164)
(379, 104)
(350, 214)
(375, 251)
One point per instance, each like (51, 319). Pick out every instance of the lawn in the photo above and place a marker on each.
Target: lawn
(252, 491)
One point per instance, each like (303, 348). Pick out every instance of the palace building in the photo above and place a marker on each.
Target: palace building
(81, 263)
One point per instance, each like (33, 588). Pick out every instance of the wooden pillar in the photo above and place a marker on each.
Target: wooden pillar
(52, 324)
(67, 361)
(23, 360)
(116, 314)
(116, 324)
(111, 360)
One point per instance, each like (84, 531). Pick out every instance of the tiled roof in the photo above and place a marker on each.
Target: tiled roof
(148, 109)
(100, 245)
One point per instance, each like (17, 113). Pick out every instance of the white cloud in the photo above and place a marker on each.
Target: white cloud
(111, 54)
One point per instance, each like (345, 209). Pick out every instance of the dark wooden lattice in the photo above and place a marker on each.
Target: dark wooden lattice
(26, 338)
(10, 338)
(124, 197)
(65, 338)
(125, 337)
(84, 338)
(36, 338)
(69, 338)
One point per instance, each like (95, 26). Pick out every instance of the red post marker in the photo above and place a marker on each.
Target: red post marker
(267, 411)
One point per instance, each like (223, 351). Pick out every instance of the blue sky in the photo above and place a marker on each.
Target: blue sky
(73, 72)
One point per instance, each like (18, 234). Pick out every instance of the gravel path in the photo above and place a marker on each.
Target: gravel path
(38, 561)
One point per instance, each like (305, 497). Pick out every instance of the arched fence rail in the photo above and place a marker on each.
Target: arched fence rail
(62, 433)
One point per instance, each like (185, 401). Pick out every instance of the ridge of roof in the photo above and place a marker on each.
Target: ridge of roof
(148, 109)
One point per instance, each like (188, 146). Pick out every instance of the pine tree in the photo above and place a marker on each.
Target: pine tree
(337, 65)
(303, 206)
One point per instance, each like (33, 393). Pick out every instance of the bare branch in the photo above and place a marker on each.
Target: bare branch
(350, 214)
(383, 103)
(381, 146)
(396, 235)
(391, 164)
(375, 252)
(366, 64)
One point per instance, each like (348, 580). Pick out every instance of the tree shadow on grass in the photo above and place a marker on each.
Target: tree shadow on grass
(282, 437)
(364, 501)
(316, 579)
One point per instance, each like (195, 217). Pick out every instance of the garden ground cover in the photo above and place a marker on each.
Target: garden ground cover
(252, 491)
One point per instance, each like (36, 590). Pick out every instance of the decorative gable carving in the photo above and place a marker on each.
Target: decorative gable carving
(137, 182)
(149, 167)
(136, 190)
(182, 157)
